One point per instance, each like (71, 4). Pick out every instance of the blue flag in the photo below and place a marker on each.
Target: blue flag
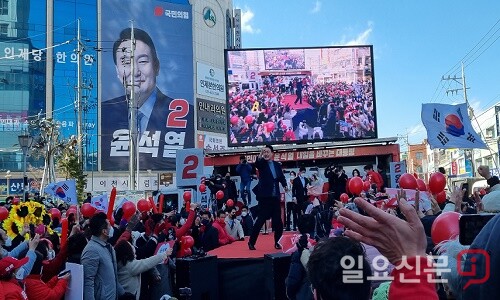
(448, 126)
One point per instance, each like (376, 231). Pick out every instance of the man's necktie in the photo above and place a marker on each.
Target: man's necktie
(141, 122)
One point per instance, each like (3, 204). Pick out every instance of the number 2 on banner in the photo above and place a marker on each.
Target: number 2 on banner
(179, 109)
(190, 165)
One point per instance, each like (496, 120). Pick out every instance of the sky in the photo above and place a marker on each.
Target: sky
(415, 43)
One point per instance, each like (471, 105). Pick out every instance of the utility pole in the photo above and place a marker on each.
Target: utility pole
(468, 153)
(132, 105)
(79, 95)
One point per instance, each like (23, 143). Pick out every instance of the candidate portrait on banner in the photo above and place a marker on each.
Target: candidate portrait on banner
(161, 77)
(448, 126)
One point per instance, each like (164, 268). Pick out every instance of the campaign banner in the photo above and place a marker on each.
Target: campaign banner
(210, 81)
(162, 83)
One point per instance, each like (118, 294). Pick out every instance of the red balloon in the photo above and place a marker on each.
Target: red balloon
(219, 195)
(234, 120)
(55, 213)
(441, 197)
(408, 181)
(230, 203)
(248, 119)
(421, 185)
(187, 241)
(70, 211)
(16, 201)
(437, 182)
(445, 227)
(4, 213)
(344, 198)
(270, 126)
(366, 186)
(143, 205)
(128, 210)
(356, 185)
(202, 188)
(186, 196)
(87, 210)
(73, 207)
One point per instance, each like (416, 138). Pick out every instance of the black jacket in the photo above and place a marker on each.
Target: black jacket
(266, 181)
(299, 191)
(209, 238)
(114, 132)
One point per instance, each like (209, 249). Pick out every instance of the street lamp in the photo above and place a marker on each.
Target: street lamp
(8, 176)
(25, 142)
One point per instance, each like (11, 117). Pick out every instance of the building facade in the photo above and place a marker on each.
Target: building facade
(40, 63)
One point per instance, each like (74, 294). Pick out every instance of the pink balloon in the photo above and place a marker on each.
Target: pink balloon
(248, 119)
(234, 120)
(270, 126)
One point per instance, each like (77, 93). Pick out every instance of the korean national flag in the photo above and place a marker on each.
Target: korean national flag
(100, 202)
(65, 190)
(448, 126)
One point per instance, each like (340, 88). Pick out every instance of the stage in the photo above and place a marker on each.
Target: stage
(237, 272)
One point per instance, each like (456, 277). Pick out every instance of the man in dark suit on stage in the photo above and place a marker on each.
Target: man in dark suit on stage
(267, 193)
(163, 124)
(299, 189)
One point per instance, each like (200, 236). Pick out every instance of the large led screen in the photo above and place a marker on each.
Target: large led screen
(300, 95)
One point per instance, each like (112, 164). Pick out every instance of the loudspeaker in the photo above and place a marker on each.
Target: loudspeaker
(199, 274)
(276, 270)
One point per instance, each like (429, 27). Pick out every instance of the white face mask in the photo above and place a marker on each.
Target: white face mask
(244, 213)
(111, 230)
(51, 254)
(8, 242)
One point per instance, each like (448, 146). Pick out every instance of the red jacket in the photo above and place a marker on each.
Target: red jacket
(224, 238)
(376, 178)
(12, 290)
(52, 267)
(423, 289)
(36, 289)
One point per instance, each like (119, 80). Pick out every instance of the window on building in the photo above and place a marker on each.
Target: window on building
(419, 155)
(4, 7)
(489, 161)
(490, 132)
(4, 29)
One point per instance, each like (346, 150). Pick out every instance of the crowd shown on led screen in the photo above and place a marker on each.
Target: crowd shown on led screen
(284, 59)
(295, 108)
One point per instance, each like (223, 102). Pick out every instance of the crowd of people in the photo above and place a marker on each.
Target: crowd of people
(337, 110)
(121, 257)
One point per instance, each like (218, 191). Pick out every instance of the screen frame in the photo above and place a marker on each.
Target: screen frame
(228, 106)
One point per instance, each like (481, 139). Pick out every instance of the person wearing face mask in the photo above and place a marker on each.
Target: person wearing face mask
(99, 262)
(299, 190)
(209, 235)
(246, 221)
(233, 226)
(232, 192)
(36, 288)
(220, 225)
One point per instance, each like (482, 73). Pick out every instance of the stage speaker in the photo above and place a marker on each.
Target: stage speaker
(276, 270)
(200, 275)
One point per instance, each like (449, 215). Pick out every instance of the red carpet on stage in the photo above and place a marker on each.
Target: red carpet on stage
(289, 99)
(239, 249)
